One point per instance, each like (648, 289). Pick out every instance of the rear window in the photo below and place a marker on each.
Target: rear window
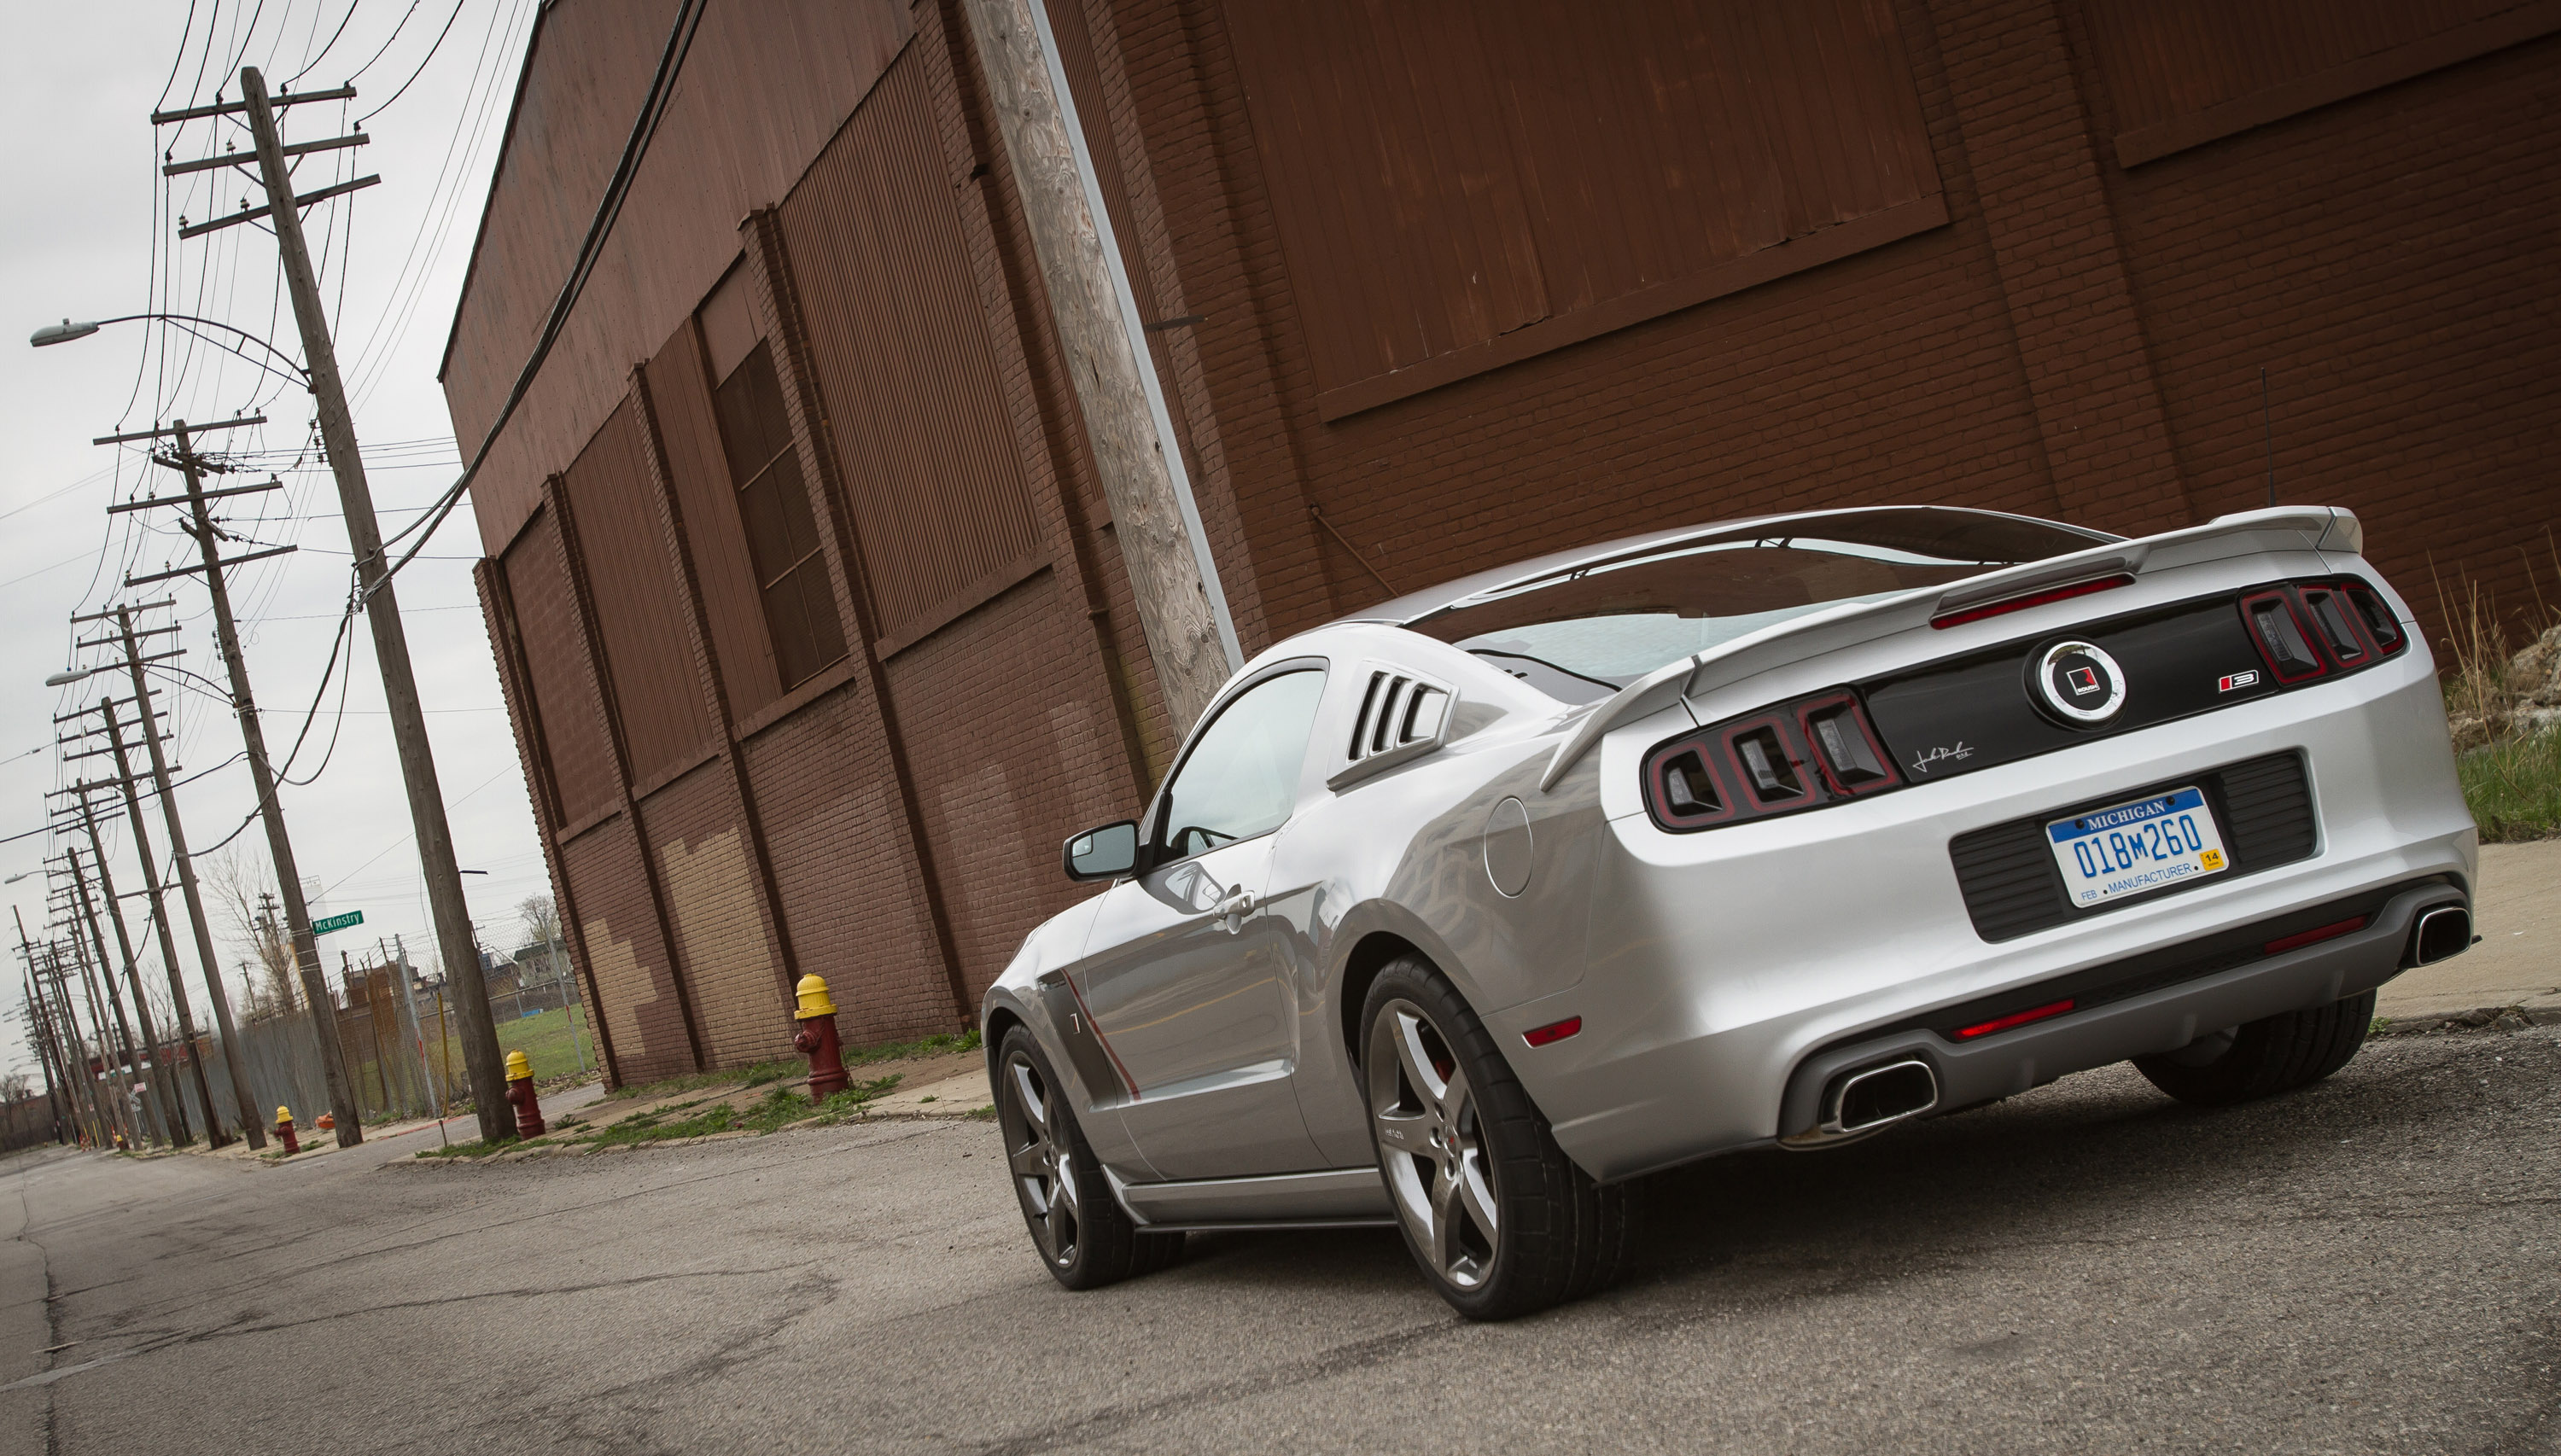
(1584, 633)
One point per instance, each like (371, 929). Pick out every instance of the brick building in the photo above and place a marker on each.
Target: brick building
(806, 597)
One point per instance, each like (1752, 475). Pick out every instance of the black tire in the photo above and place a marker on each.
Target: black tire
(1557, 1235)
(1085, 1240)
(2291, 1049)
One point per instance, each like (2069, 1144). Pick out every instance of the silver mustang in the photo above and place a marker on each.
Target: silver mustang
(1463, 912)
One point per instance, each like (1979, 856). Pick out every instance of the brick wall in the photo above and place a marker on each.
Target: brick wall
(2081, 339)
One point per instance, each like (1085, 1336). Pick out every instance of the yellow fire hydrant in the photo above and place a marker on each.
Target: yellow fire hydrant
(284, 1131)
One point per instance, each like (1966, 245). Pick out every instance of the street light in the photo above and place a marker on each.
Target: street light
(67, 676)
(68, 330)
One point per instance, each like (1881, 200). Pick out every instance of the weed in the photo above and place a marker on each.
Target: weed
(985, 1114)
(2513, 786)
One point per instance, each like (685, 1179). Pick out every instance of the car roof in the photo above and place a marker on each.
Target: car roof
(1414, 606)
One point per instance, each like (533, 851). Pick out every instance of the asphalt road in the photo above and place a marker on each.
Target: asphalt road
(2370, 1265)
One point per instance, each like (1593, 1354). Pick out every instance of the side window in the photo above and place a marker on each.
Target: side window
(782, 533)
(1242, 776)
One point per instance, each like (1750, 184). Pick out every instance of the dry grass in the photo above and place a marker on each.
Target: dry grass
(2502, 704)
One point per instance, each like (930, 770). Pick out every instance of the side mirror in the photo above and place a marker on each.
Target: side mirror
(1103, 854)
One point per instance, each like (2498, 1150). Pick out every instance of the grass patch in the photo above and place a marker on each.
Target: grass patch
(761, 1072)
(755, 1076)
(2514, 787)
(922, 1047)
(544, 1038)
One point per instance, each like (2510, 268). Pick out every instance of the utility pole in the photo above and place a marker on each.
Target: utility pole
(173, 1108)
(262, 773)
(115, 1099)
(56, 1101)
(64, 1038)
(283, 212)
(133, 1059)
(1154, 517)
(253, 1126)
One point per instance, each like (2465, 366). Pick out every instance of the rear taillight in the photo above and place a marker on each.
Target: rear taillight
(1813, 751)
(2304, 629)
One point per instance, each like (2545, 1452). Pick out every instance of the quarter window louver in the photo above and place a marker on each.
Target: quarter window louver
(1401, 717)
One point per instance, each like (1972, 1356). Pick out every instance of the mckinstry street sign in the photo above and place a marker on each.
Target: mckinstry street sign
(337, 922)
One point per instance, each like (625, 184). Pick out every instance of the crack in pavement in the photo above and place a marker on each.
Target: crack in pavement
(201, 1337)
(1324, 1365)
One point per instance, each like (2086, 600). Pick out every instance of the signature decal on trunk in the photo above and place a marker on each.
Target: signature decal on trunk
(1958, 754)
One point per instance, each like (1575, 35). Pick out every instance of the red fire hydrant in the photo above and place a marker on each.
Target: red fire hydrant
(284, 1131)
(817, 1040)
(520, 1090)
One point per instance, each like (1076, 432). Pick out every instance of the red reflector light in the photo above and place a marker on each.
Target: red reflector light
(1553, 1032)
(2014, 1019)
(2302, 939)
(2033, 599)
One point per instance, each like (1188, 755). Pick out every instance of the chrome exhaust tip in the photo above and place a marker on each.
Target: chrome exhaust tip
(1869, 1098)
(2441, 934)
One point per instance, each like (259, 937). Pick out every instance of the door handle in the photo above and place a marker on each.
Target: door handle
(1234, 909)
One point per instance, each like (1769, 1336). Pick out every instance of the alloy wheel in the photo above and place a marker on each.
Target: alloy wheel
(1429, 1128)
(1044, 1170)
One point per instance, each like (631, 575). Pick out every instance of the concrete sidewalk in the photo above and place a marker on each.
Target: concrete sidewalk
(2518, 960)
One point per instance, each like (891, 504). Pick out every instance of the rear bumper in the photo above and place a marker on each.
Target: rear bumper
(2008, 1062)
(1721, 963)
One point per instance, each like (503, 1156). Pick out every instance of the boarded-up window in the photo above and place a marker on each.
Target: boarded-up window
(1461, 184)
(898, 339)
(2187, 72)
(638, 612)
(556, 669)
(774, 505)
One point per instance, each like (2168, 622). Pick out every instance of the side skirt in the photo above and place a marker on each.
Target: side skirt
(1334, 1197)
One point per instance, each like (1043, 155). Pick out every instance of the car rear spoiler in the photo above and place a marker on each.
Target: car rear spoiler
(2330, 530)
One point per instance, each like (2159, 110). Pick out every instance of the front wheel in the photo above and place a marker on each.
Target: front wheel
(2290, 1050)
(1500, 1220)
(1085, 1240)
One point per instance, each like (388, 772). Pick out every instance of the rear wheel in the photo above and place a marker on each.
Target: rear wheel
(1500, 1220)
(1084, 1237)
(2291, 1049)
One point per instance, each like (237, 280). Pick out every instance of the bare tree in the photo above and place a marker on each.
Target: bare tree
(17, 1086)
(239, 885)
(540, 916)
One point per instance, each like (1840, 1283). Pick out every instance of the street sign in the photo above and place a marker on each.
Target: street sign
(337, 922)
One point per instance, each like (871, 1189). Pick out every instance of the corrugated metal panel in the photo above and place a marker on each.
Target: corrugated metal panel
(637, 613)
(764, 87)
(1461, 184)
(700, 476)
(915, 412)
(581, 762)
(2166, 59)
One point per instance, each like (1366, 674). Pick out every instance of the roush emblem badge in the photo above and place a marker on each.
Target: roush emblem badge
(2078, 682)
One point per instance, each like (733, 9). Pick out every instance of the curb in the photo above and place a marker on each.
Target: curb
(588, 1150)
(2478, 1019)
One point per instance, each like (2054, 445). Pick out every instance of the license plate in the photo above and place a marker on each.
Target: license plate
(2127, 848)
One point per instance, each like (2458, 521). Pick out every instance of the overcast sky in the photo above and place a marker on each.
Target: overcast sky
(90, 231)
